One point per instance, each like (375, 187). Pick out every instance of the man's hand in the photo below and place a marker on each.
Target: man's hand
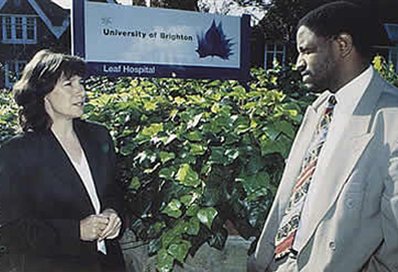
(112, 229)
(92, 226)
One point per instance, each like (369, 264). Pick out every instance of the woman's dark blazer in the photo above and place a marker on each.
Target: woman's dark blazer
(42, 200)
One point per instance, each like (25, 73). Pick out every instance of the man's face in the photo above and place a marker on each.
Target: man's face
(317, 60)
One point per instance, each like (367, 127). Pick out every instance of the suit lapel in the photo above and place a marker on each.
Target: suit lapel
(60, 165)
(298, 151)
(343, 153)
(91, 149)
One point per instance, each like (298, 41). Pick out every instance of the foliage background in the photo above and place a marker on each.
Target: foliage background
(196, 154)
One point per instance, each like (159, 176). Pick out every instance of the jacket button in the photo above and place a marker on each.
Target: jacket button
(332, 246)
(349, 203)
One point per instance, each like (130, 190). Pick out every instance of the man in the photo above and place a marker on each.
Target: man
(336, 208)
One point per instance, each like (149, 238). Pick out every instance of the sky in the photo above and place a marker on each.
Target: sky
(68, 3)
(216, 7)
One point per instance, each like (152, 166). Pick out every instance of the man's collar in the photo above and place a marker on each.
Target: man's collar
(349, 95)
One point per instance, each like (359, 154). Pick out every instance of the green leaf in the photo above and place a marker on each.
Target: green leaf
(195, 121)
(150, 105)
(272, 132)
(169, 237)
(207, 215)
(280, 145)
(194, 136)
(127, 148)
(206, 169)
(187, 199)
(179, 251)
(169, 139)
(193, 210)
(173, 209)
(215, 108)
(152, 130)
(178, 100)
(193, 226)
(255, 164)
(219, 239)
(231, 155)
(155, 229)
(286, 128)
(166, 156)
(135, 183)
(198, 149)
(167, 173)
(255, 185)
(187, 176)
(164, 261)
(180, 228)
(217, 155)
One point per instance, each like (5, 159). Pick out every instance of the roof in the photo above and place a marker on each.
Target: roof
(53, 16)
(55, 13)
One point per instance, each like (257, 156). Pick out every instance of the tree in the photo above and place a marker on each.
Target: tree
(172, 4)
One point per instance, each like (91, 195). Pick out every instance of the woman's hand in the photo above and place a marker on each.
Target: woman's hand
(92, 226)
(112, 229)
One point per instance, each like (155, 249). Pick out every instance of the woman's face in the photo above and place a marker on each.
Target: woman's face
(66, 100)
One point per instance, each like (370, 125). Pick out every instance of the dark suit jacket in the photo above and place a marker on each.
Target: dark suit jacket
(42, 200)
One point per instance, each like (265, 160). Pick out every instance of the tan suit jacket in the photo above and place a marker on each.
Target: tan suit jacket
(354, 218)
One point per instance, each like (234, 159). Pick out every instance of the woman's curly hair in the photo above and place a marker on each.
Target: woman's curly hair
(39, 78)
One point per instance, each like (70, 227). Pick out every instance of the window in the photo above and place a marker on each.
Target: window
(7, 28)
(19, 29)
(274, 53)
(31, 28)
(13, 70)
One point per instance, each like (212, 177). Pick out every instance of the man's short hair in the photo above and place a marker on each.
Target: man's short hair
(334, 18)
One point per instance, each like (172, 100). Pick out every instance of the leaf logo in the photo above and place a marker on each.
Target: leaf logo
(214, 43)
(106, 21)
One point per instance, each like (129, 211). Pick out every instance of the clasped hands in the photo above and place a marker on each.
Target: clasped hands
(105, 225)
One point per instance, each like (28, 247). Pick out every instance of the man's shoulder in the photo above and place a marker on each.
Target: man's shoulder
(389, 97)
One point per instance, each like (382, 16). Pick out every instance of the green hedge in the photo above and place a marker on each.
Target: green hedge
(193, 154)
(196, 153)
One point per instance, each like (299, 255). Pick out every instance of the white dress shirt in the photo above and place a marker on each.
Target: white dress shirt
(83, 169)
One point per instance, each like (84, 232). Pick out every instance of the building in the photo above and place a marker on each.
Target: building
(273, 39)
(26, 27)
(30, 25)
(392, 48)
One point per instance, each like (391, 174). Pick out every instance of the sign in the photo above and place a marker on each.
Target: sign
(118, 40)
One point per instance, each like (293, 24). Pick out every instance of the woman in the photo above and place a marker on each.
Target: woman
(59, 203)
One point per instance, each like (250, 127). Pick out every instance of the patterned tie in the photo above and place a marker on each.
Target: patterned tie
(290, 221)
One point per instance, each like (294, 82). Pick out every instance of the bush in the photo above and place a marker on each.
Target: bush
(196, 153)
(385, 69)
(8, 116)
(193, 154)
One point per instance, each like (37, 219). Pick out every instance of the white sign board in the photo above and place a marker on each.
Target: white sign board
(138, 41)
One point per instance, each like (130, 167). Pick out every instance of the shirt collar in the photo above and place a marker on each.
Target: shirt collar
(349, 95)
